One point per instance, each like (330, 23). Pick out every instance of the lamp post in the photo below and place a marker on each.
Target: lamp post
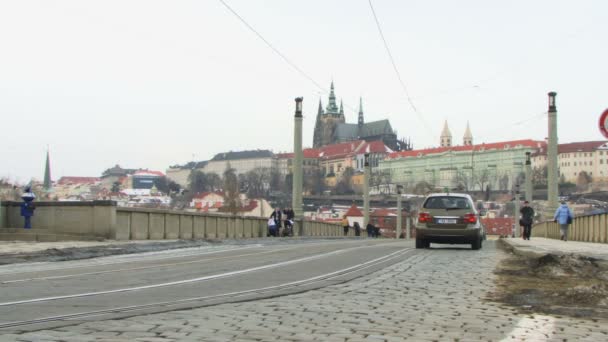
(528, 171)
(398, 228)
(552, 177)
(297, 164)
(366, 173)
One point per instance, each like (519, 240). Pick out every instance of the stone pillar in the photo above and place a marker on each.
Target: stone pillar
(408, 221)
(399, 218)
(297, 163)
(366, 174)
(528, 172)
(552, 177)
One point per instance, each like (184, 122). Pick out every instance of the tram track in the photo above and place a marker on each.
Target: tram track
(335, 277)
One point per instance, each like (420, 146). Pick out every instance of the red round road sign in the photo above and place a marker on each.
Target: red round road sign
(604, 123)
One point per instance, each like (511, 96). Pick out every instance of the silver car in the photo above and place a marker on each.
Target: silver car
(449, 218)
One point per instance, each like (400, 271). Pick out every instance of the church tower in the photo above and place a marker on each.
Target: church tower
(467, 140)
(328, 120)
(446, 136)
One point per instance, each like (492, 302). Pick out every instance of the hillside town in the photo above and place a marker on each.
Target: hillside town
(253, 182)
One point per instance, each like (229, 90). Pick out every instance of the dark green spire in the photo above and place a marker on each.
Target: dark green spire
(341, 108)
(320, 112)
(47, 173)
(332, 108)
(360, 122)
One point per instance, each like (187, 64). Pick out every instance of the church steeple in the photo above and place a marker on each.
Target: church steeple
(320, 112)
(467, 140)
(360, 122)
(341, 108)
(47, 173)
(446, 136)
(332, 108)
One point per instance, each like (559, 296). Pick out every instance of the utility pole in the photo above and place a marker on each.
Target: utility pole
(528, 171)
(366, 174)
(297, 166)
(552, 177)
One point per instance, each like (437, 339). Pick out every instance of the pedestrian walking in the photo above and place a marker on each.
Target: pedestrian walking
(527, 218)
(369, 229)
(357, 229)
(345, 225)
(376, 231)
(563, 216)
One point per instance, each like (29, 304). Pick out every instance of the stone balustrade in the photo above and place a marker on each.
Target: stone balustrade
(103, 219)
(592, 228)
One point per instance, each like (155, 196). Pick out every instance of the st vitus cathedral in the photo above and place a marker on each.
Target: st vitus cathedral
(331, 127)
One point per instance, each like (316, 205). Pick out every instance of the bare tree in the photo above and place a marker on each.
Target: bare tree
(583, 180)
(539, 176)
(344, 186)
(482, 179)
(503, 183)
(232, 202)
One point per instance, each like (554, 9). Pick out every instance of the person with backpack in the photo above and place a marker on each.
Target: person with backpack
(563, 216)
(527, 218)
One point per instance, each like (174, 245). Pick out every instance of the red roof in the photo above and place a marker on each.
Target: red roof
(207, 193)
(340, 150)
(376, 146)
(493, 146)
(309, 153)
(78, 180)
(148, 173)
(384, 212)
(583, 146)
(353, 211)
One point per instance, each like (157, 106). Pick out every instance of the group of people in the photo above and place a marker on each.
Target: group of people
(563, 216)
(372, 231)
(278, 217)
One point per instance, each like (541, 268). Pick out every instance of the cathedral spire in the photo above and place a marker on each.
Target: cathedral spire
(341, 108)
(47, 173)
(332, 108)
(360, 121)
(320, 112)
(468, 137)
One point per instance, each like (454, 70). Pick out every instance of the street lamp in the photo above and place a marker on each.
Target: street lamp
(516, 211)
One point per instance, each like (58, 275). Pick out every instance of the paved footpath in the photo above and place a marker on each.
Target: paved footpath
(437, 295)
(541, 246)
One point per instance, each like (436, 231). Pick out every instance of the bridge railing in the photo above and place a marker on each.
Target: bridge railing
(103, 219)
(592, 228)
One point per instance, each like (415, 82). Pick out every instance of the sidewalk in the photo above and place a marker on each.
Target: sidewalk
(538, 247)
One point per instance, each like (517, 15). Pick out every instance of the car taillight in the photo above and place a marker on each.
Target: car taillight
(424, 217)
(470, 218)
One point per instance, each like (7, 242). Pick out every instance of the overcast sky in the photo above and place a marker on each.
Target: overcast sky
(148, 84)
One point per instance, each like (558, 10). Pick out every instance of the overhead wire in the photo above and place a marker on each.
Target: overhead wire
(390, 56)
(279, 53)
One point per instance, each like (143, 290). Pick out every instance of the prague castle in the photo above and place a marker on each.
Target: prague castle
(331, 127)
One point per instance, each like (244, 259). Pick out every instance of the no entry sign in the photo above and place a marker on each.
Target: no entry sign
(604, 123)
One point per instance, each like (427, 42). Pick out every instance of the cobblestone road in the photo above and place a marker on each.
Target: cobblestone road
(437, 295)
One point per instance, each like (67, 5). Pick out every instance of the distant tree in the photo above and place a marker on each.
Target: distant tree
(258, 182)
(464, 179)
(232, 201)
(214, 181)
(487, 194)
(166, 186)
(422, 188)
(115, 187)
(503, 183)
(582, 181)
(198, 182)
(344, 185)
(482, 179)
(539, 176)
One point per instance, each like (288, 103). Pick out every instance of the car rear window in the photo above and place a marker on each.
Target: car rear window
(447, 202)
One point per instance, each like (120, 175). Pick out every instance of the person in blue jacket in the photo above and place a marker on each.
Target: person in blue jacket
(28, 207)
(563, 216)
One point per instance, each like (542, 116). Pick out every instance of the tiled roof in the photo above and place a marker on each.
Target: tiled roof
(340, 150)
(243, 155)
(582, 146)
(148, 173)
(353, 211)
(77, 180)
(309, 153)
(383, 212)
(376, 146)
(492, 146)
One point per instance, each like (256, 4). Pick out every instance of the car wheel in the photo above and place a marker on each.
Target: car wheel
(476, 244)
(419, 243)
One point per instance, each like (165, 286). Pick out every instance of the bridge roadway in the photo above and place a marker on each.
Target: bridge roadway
(351, 290)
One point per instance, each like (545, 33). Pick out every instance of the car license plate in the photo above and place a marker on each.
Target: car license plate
(446, 221)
